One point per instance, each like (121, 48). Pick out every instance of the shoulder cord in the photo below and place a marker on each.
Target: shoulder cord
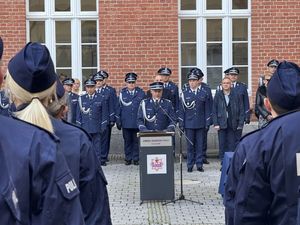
(184, 103)
(122, 101)
(81, 108)
(144, 113)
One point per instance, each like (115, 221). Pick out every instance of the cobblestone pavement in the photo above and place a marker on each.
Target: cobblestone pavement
(124, 194)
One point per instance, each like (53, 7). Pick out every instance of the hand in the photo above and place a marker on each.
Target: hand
(119, 126)
(239, 128)
(143, 129)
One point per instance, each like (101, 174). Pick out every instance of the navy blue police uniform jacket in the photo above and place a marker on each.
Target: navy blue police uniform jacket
(175, 94)
(194, 111)
(92, 114)
(128, 107)
(220, 110)
(87, 172)
(206, 87)
(112, 101)
(241, 89)
(44, 189)
(73, 101)
(156, 117)
(266, 187)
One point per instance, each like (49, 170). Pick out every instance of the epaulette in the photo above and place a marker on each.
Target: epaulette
(52, 135)
(80, 128)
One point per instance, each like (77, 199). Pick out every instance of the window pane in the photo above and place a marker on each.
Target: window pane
(214, 54)
(188, 30)
(213, 4)
(36, 6)
(214, 76)
(63, 32)
(63, 56)
(37, 31)
(88, 32)
(188, 54)
(239, 4)
(88, 5)
(62, 5)
(184, 75)
(64, 73)
(243, 76)
(240, 29)
(214, 30)
(240, 53)
(188, 4)
(88, 73)
(89, 56)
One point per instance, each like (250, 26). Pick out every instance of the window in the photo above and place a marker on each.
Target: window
(215, 35)
(69, 29)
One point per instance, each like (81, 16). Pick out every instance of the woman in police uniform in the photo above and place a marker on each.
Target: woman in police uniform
(82, 161)
(40, 173)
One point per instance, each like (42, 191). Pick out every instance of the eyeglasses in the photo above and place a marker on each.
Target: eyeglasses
(268, 79)
(131, 82)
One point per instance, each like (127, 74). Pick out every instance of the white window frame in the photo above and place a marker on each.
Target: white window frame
(75, 16)
(226, 14)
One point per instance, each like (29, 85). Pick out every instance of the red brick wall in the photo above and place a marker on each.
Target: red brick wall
(275, 34)
(139, 36)
(12, 27)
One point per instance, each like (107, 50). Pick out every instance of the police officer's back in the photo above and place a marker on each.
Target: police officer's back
(48, 193)
(265, 189)
(82, 160)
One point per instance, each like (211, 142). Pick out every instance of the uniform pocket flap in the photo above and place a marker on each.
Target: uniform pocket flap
(68, 186)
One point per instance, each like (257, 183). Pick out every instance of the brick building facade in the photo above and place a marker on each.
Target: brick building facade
(142, 36)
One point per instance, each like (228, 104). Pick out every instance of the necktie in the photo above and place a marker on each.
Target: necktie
(91, 97)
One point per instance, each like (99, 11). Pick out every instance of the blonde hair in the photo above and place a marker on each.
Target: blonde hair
(35, 113)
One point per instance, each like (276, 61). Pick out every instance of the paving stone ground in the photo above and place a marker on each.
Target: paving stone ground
(124, 194)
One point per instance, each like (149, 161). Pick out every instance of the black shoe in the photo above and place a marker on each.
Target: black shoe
(103, 163)
(136, 163)
(205, 161)
(127, 162)
(200, 169)
(190, 170)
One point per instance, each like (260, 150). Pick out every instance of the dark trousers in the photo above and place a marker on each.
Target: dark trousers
(131, 144)
(105, 140)
(194, 152)
(204, 148)
(96, 141)
(227, 141)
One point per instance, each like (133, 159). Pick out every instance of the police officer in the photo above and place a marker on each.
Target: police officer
(156, 113)
(228, 117)
(73, 99)
(193, 118)
(45, 189)
(129, 101)
(92, 116)
(205, 86)
(166, 73)
(5, 107)
(82, 161)
(264, 176)
(240, 89)
(272, 66)
(166, 93)
(108, 93)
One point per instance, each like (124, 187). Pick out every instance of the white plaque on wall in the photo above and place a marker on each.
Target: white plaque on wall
(157, 164)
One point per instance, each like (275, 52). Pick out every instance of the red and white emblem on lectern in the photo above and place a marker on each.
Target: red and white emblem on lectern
(157, 164)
